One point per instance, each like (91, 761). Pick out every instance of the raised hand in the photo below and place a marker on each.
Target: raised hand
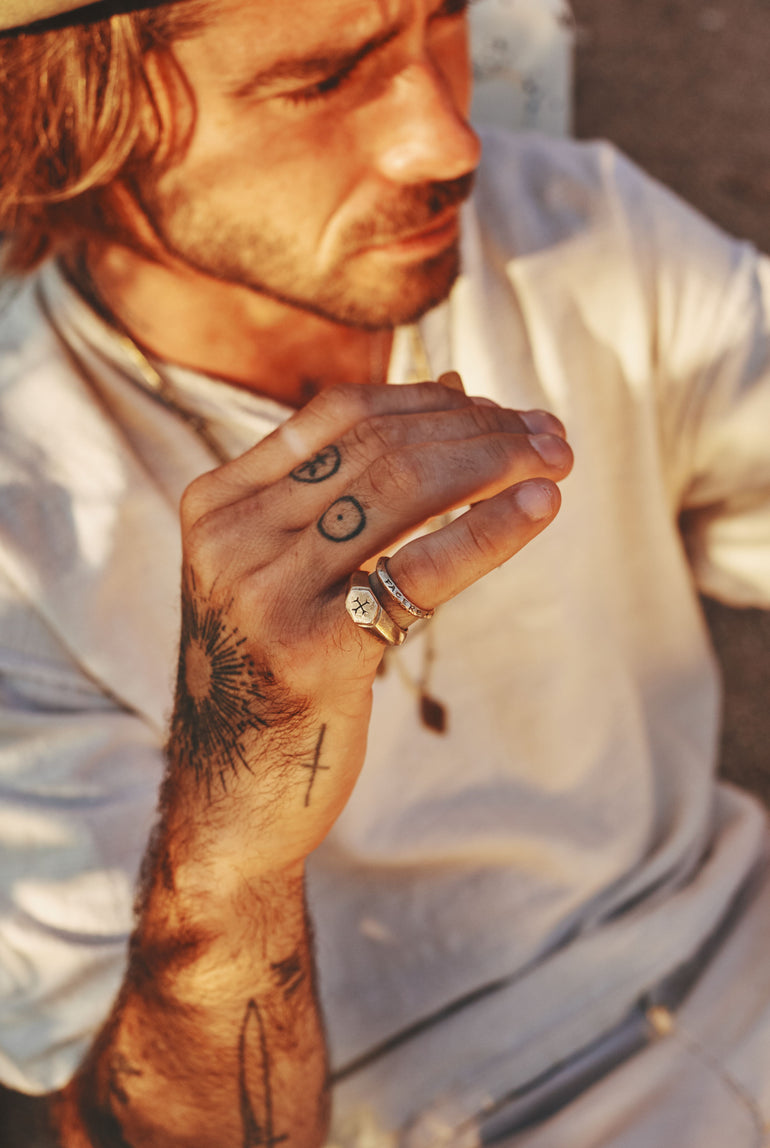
(274, 684)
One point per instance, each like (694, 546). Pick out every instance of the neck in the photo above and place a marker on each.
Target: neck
(228, 331)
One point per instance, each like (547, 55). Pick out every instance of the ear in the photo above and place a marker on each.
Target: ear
(168, 110)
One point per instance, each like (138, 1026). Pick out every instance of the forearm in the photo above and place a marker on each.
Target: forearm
(216, 1038)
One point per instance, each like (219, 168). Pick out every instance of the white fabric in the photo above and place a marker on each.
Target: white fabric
(566, 838)
(706, 1084)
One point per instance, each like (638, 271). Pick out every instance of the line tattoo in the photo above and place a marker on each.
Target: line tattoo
(314, 765)
(98, 1110)
(320, 467)
(120, 1072)
(289, 974)
(258, 1131)
(345, 519)
(219, 698)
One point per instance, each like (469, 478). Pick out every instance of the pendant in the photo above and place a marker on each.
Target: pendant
(432, 714)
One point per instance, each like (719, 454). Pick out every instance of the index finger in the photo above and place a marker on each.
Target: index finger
(315, 427)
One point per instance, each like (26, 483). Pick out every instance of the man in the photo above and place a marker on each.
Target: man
(251, 206)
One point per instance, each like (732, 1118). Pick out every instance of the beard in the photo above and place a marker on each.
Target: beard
(354, 291)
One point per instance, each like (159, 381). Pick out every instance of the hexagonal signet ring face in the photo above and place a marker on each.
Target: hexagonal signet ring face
(362, 606)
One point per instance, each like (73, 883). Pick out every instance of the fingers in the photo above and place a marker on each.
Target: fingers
(543, 422)
(421, 464)
(388, 432)
(384, 478)
(337, 524)
(329, 417)
(434, 568)
(404, 488)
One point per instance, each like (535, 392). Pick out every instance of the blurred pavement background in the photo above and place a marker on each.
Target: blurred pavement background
(682, 86)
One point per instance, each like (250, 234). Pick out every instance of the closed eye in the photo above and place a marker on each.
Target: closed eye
(451, 8)
(322, 88)
(330, 85)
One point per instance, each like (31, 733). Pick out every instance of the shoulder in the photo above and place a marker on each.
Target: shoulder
(535, 193)
(87, 538)
(64, 467)
(48, 412)
(24, 341)
(532, 163)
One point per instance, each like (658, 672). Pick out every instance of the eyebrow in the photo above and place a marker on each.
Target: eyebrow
(306, 69)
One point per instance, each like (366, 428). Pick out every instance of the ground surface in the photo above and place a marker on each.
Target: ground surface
(683, 87)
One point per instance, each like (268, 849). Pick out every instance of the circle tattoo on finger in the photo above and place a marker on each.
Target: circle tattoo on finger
(320, 467)
(345, 519)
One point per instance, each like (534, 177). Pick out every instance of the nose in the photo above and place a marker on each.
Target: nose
(422, 134)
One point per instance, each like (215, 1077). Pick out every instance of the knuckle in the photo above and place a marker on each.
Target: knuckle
(195, 501)
(225, 541)
(373, 436)
(489, 420)
(503, 449)
(341, 402)
(482, 539)
(395, 475)
(202, 542)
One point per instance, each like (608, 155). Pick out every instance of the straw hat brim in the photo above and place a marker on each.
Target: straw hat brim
(20, 13)
(16, 13)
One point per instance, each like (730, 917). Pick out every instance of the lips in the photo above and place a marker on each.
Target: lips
(449, 219)
(438, 232)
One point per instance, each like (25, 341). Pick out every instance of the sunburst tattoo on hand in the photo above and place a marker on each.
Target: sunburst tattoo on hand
(220, 694)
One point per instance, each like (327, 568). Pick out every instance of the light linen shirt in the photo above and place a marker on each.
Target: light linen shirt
(493, 899)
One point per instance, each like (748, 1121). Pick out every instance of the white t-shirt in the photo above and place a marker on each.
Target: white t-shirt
(492, 899)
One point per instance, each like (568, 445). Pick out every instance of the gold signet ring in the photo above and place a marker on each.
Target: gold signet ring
(367, 611)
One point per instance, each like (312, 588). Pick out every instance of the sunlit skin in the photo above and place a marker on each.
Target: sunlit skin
(315, 203)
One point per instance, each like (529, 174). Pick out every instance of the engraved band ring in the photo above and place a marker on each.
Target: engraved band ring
(395, 591)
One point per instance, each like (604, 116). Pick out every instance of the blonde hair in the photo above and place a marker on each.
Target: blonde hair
(73, 99)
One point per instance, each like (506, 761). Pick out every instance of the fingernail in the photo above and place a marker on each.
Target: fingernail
(535, 500)
(539, 422)
(552, 449)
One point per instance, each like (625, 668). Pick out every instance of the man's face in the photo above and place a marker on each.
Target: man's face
(328, 155)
